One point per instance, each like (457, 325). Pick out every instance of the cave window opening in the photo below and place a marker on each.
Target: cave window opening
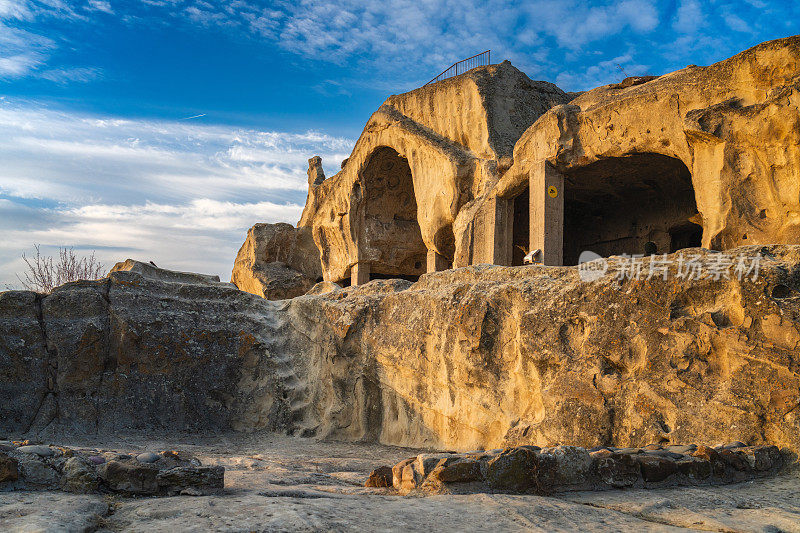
(520, 227)
(635, 205)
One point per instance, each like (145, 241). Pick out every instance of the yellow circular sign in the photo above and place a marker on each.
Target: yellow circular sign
(552, 191)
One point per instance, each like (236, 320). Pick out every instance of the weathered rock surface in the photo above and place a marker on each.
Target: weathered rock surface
(66, 469)
(531, 469)
(735, 125)
(278, 483)
(490, 356)
(151, 271)
(465, 359)
(705, 155)
(423, 155)
(131, 352)
(277, 261)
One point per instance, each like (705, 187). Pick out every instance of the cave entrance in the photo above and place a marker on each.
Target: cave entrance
(637, 204)
(520, 227)
(390, 244)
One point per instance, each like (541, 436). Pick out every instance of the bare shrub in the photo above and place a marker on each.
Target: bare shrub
(45, 273)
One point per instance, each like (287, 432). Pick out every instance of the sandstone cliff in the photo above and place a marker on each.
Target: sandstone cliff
(131, 352)
(734, 127)
(475, 357)
(422, 156)
(707, 155)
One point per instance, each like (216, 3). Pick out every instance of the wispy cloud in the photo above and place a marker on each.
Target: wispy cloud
(21, 51)
(689, 17)
(25, 51)
(179, 193)
(396, 40)
(401, 42)
(101, 5)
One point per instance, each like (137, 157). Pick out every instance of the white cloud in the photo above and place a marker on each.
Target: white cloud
(610, 71)
(689, 17)
(66, 75)
(408, 38)
(101, 5)
(178, 193)
(14, 9)
(21, 52)
(24, 52)
(736, 23)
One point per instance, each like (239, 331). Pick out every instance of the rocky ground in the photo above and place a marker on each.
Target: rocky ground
(279, 483)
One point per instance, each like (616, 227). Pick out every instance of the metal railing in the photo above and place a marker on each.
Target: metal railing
(460, 67)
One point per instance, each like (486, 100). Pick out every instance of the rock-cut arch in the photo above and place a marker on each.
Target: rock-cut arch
(641, 203)
(390, 240)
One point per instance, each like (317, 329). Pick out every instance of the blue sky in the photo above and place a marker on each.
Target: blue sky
(97, 150)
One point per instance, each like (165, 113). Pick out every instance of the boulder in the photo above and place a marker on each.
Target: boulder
(151, 271)
(277, 261)
(514, 470)
(37, 473)
(36, 449)
(79, 475)
(618, 470)
(459, 471)
(655, 468)
(380, 477)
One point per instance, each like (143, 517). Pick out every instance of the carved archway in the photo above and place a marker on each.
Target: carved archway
(390, 242)
(637, 204)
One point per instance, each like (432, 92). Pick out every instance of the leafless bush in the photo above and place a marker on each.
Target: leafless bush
(45, 273)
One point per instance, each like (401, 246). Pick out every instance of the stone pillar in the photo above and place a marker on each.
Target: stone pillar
(436, 262)
(491, 233)
(547, 213)
(359, 274)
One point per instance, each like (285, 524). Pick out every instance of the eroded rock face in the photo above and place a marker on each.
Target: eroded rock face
(131, 352)
(734, 126)
(530, 469)
(702, 156)
(423, 156)
(152, 271)
(488, 356)
(472, 358)
(277, 261)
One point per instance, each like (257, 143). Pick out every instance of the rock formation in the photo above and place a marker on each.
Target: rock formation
(627, 371)
(488, 165)
(732, 128)
(421, 158)
(478, 357)
(277, 261)
(539, 470)
(39, 467)
(135, 352)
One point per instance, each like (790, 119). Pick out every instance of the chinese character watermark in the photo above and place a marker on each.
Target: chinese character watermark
(716, 266)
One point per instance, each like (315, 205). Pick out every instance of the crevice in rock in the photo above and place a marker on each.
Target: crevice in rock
(105, 292)
(52, 372)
